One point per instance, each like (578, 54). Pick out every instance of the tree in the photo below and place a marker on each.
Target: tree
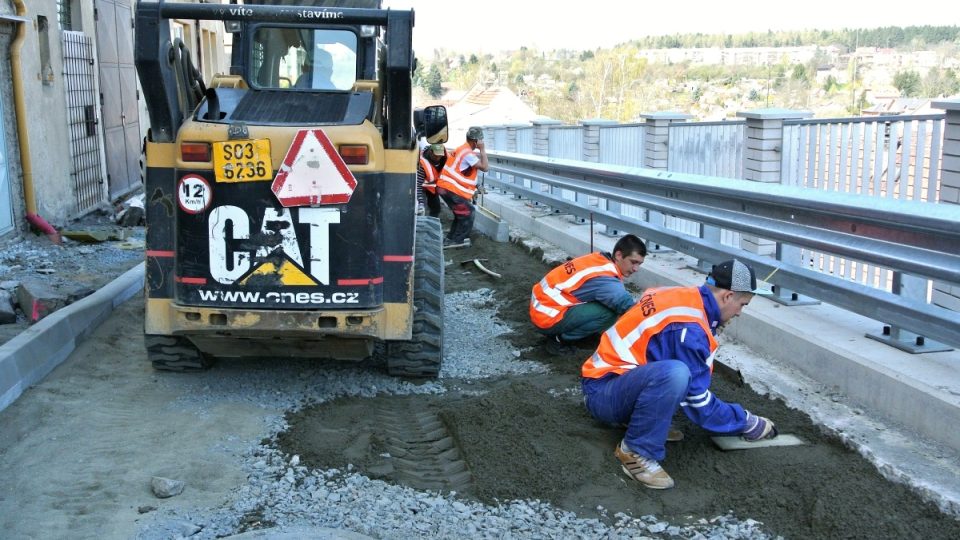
(908, 83)
(830, 84)
(937, 84)
(697, 94)
(799, 72)
(433, 82)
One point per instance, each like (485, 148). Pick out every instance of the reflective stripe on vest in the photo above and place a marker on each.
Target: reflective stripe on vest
(624, 346)
(452, 179)
(554, 294)
(430, 175)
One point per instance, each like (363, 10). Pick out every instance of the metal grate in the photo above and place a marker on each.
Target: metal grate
(81, 97)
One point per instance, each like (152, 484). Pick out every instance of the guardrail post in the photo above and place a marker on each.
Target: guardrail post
(591, 153)
(762, 162)
(914, 288)
(541, 147)
(656, 151)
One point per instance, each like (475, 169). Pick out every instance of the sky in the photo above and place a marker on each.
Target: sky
(493, 25)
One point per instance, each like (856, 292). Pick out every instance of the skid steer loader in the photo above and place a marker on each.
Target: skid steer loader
(281, 196)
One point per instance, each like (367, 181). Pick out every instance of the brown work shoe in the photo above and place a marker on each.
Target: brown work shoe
(674, 435)
(646, 471)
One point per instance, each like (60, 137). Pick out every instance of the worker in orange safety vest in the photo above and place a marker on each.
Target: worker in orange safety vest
(458, 183)
(659, 357)
(432, 161)
(584, 296)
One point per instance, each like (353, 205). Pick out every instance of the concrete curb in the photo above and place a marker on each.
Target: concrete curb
(28, 358)
(491, 225)
(823, 342)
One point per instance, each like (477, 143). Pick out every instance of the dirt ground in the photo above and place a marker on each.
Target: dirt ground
(529, 437)
(77, 451)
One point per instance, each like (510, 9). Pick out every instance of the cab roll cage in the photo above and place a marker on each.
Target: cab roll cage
(155, 60)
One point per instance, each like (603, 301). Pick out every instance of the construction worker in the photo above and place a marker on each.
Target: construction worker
(432, 160)
(585, 296)
(458, 183)
(658, 357)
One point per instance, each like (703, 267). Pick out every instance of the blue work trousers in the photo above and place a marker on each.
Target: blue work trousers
(582, 321)
(644, 398)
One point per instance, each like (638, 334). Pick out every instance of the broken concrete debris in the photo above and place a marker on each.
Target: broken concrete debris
(37, 300)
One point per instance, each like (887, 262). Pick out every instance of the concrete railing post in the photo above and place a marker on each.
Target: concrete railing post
(541, 147)
(656, 153)
(490, 137)
(944, 294)
(511, 146)
(591, 152)
(762, 162)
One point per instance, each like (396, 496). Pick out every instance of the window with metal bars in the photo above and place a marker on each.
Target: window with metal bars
(65, 14)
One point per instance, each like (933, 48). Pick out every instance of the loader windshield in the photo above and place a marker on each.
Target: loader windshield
(303, 58)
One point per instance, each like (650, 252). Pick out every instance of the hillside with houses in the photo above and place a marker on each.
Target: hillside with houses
(712, 78)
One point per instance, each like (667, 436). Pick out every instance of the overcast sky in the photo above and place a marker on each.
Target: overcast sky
(491, 25)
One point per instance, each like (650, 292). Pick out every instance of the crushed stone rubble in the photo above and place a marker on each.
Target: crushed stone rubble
(72, 270)
(281, 492)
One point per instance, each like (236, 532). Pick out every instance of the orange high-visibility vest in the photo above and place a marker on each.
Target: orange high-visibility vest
(430, 175)
(553, 295)
(453, 179)
(624, 346)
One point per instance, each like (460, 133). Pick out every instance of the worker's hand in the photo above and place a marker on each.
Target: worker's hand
(758, 428)
(480, 145)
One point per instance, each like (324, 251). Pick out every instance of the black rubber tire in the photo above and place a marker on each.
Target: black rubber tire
(175, 353)
(422, 356)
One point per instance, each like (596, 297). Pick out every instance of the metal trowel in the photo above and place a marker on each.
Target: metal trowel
(736, 442)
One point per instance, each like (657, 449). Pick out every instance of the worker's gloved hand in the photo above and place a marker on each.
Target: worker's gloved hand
(758, 428)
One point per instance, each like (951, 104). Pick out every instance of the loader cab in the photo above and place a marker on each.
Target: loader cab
(302, 59)
(299, 58)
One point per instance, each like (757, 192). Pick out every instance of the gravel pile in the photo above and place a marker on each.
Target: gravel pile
(280, 492)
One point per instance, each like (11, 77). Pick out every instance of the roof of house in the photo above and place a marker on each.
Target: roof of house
(485, 105)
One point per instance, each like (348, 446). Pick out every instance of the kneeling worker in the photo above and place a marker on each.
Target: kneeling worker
(584, 296)
(658, 357)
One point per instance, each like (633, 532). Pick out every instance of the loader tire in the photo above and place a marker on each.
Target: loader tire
(175, 353)
(423, 355)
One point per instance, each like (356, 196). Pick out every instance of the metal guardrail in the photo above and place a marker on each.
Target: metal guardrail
(909, 237)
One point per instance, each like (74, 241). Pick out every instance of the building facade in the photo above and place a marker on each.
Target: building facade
(72, 113)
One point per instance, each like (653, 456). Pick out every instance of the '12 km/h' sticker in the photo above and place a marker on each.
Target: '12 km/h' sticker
(194, 194)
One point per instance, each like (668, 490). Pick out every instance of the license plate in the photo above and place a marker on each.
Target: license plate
(242, 161)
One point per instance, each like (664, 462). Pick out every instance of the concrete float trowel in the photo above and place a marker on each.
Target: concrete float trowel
(736, 442)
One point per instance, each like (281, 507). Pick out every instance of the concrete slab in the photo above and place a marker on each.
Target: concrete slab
(735, 442)
(490, 224)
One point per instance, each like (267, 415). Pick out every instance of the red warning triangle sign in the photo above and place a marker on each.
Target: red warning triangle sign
(313, 173)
